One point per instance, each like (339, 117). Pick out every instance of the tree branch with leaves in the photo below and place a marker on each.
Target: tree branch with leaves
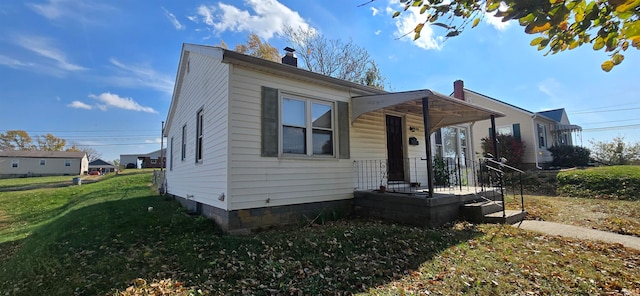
(612, 25)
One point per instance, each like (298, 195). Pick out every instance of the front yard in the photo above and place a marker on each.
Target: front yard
(118, 237)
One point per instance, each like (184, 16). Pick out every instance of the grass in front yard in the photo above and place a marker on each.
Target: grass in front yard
(18, 182)
(103, 237)
(619, 216)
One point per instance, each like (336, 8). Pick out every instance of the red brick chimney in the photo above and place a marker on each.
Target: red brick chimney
(458, 89)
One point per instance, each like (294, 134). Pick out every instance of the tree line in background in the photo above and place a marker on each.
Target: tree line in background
(331, 57)
(21, 140)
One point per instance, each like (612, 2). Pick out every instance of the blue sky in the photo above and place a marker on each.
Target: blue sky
(101, 73)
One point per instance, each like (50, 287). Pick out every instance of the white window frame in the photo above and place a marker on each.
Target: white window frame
(309, 101)
(15, 163)
(183, 145)
(199, 135)
(501, 128)
(43, 162)
(67, 162)
(171, 155)
(542, 135)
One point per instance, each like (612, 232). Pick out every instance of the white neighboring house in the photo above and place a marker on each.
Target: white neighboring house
(254, 143)
(20, 163)
(538, 130)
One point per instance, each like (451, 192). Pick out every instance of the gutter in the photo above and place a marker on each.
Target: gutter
(535, 147)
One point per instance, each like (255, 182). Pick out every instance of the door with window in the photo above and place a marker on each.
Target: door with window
(395, 149)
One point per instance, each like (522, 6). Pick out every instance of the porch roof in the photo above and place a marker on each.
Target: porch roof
(443, 110)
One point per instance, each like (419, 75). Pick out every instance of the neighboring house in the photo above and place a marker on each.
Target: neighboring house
(101, 166)
(153, 159)
(538, 130)
(254, 143)
(20, 163)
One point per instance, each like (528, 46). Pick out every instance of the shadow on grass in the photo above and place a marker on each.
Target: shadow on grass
(104, 246)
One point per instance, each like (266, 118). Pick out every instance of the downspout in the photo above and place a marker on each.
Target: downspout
(535, 136)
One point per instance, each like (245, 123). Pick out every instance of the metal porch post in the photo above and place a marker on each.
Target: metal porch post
(494, 139)
(427, 139)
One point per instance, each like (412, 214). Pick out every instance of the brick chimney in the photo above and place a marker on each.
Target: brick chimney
(288, 57)
(458, 89)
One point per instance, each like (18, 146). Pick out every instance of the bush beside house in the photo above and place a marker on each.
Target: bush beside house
(509, 148)
(568, 156)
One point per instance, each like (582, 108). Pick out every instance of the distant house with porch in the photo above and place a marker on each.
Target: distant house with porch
(102, 166)
(254, 143)
(538, 130)
(21, 163)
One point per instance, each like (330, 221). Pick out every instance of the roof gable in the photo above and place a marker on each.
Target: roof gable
(556, 114)
(100, 162)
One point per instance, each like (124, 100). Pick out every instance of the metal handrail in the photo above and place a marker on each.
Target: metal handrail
(500, 171)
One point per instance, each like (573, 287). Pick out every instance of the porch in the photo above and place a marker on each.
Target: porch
(472, 190)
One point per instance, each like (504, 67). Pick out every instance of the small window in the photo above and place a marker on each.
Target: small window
(171, 155)
(307, 127)
(184, 143)
(506, 130)
(154, 161)
(542, 134)
(15, 163)
(199, 137)
(67, 163)
(43, 162)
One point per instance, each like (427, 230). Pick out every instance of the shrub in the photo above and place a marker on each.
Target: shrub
(441, 172)
(569, 156)
(614, 182)
(509, 147)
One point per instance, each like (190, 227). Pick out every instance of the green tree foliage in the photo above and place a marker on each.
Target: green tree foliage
(569, 156)
(509, 148)
(335, 58)
(50, 142)
(615, 152)
(16, 140)
(612, 25)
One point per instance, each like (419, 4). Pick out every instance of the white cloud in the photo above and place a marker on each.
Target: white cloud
(108, 100)
(47, 49)
(377, 32)
(374, 11)
(80, 105)
(496, 22)
(136, 76)
(266, 18)
(13, 63)
(153, 141)
(82, 11)
(549, 87)
(406, 23)
(173, 19)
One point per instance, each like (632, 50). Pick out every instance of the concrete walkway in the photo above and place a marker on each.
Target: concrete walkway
(564, 230)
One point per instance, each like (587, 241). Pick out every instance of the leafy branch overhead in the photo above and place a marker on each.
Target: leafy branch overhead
(612, 25)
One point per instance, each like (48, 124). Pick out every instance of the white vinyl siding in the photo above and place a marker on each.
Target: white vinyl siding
(32, 166)
(204, 88)
(257, 181)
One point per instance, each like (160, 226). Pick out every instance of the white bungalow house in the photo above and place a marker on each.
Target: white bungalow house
(20, 163)
(538, 130)
(254, 143)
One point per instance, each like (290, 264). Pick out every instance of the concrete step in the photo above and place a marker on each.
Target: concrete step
(476, 211)
(511, 217)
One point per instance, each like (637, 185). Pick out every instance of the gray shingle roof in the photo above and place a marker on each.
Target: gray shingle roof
(41, 154)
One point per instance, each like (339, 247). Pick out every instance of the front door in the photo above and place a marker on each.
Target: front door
(395, 150)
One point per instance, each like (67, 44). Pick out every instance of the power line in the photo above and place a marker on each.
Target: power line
(611, 128)
(609, 121)
(609, 106)
(602, 111)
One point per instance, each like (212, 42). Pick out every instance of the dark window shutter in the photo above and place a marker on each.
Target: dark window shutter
(490, 132)
(516, 132)
(270, 125)
(343, 130)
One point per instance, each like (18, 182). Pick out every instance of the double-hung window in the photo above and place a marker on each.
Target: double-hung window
(307, 127)
(542, 135)
(183, 146)
(15, 163)
(199, 128)
(67, 163)
(43, 162)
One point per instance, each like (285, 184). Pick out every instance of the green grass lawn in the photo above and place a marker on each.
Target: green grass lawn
(104, 237)
(17, 182)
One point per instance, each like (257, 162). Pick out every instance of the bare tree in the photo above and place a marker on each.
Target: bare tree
(335, 58)
(92, 154)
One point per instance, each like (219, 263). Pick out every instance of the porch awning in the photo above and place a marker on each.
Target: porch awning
(567, 128)
(443, 110)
